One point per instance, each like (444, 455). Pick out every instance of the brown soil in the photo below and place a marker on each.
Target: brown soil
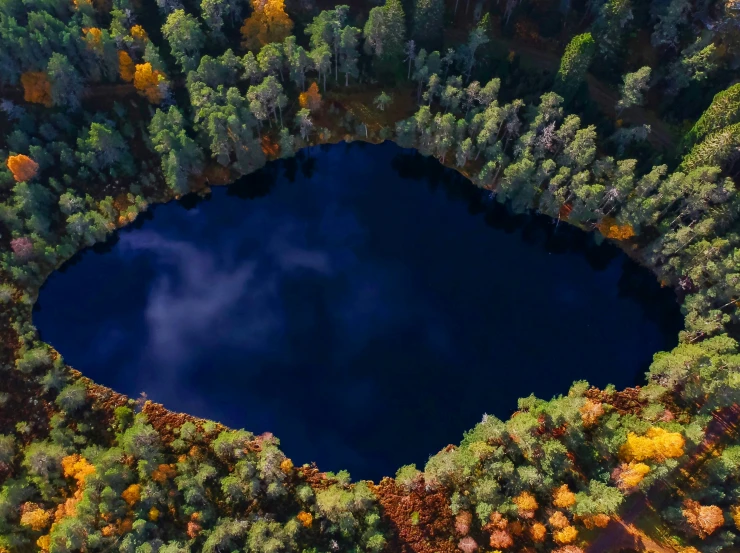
(430, 533)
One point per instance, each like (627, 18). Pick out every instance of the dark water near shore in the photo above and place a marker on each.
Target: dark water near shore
(362, 303)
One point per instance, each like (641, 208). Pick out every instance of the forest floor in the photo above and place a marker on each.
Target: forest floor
(604, 95)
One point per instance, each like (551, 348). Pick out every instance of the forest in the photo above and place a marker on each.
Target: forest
(619, 117)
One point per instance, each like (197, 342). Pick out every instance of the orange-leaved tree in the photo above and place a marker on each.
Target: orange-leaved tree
(22, 167)
(268, 23)
(149, 81)
(703, 519)
(609, 227)
(126, 67)
(36, 87)
(311, 99)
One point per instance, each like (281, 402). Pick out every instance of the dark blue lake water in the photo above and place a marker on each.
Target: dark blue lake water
(362, 303)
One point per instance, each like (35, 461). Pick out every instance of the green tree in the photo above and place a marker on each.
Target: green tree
(297, 61)
(326, 28)
(722, 112)
(717, 149)
(303, 120)
(671, 16)
(185, 37)
(181, 156)
(382, 101)
(427, 21)
(102, 148)
(348, 52)
(608, 29)
(321, 60)
(214, 12)
(66, 83)
(270, 59)
(632, 91)
(574, 65)
(385, 30)
(696, 63)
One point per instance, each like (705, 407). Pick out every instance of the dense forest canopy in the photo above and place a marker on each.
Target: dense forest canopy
(620, 117)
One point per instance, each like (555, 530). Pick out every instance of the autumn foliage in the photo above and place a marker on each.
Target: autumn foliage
(562, 497)
(93, 37)
(703, 519)
(22, 167)
(268, 23)
(138, 33)
(147, 82)
(629, 475)
(36, 88)
(126, 68)
(77, 467)
(132, 494)
(657, 445)
(35, 518)
(311, 99)
(526, 504)
(566, 535)
(610, 229)
(590, 412)
(305, 518)
(537, 532)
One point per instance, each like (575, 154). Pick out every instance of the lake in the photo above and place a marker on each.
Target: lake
(361, 302)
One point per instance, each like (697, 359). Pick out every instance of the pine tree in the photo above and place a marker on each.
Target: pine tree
(722, 112)
(183, 33)
(574, 65)
(427, 21)
(633, 89)
(385, 30)
(348, 53)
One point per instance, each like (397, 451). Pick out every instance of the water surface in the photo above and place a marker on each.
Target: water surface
(363, 304)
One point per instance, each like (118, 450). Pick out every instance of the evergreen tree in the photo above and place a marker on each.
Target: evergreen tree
(66, 83)
(183, 33)
(385, 30)
(427, 21)
(348, 53)
(723, 111)
(633, 89)
(180, 155)
(574, 65)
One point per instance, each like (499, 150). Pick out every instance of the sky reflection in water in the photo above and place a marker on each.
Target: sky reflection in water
(364, 310)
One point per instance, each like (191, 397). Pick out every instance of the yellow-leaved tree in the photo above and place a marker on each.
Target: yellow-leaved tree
(126, 68)
(657, 444)
(268, 23)
(148, 82)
